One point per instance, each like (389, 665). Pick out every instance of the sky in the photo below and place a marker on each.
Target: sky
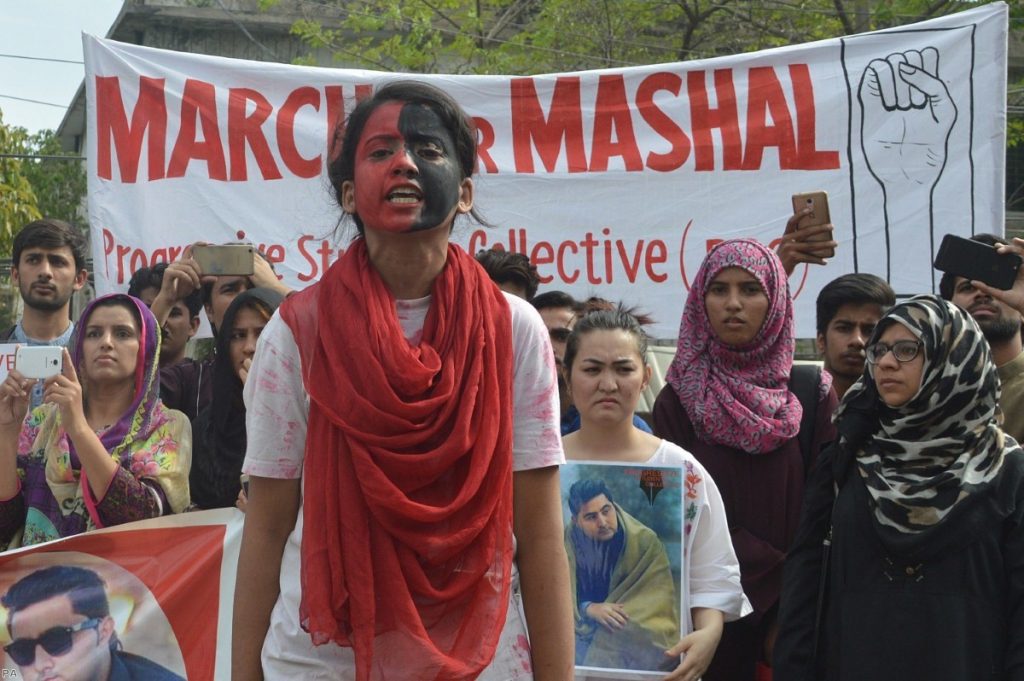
(51, 29)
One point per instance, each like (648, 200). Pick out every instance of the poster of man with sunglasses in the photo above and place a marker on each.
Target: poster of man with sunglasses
(59, 623)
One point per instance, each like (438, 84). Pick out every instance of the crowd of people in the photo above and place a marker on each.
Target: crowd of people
(401, 424)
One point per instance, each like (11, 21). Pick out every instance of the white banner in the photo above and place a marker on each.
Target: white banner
(614, 182)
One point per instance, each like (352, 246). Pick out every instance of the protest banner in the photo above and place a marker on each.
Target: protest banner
(168, 583)
(8, 353)
(614, 182)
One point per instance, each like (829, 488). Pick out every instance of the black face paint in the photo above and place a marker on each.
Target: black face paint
(440, 177)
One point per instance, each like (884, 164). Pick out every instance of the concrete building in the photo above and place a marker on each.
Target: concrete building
(224, 28)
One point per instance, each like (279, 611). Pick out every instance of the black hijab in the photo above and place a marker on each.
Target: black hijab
(219, 441)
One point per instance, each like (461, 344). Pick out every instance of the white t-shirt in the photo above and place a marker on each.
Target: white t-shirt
(711, 572)
(277, 409)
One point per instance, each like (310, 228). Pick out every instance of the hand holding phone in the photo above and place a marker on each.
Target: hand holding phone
(812, 207)
(15, 397)
(808, 238)
(1014, 297)
(977, 261)
(226, 259)
(39, 361)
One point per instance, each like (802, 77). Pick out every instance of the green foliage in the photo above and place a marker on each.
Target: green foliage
(522, 37)
(33, 188)
(59, 185)
(18, 202)
(1014, 132)
(537, 36)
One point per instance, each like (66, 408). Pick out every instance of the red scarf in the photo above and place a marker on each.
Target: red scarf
(407, 540)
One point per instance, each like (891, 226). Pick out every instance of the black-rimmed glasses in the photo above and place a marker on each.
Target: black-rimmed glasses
(55, 641)
(903, 350)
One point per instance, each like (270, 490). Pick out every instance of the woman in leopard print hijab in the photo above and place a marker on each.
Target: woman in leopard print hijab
(909, 559)
(944, 444)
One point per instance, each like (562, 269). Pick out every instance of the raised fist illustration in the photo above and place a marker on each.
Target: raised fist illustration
(908, 115)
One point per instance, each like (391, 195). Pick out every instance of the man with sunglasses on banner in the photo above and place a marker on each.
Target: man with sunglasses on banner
(60, 627)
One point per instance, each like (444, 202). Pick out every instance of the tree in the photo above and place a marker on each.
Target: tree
(537, 36)
(18, 202)
(59, 185)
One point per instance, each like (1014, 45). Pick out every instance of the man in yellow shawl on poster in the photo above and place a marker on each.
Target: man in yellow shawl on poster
(626, 605)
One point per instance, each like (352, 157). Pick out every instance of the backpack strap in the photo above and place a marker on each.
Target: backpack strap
(804, 381)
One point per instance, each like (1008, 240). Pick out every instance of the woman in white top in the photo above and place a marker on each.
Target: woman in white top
(606, 372)
(402, 423)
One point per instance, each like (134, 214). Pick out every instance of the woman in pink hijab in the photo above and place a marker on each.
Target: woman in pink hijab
(729, 400)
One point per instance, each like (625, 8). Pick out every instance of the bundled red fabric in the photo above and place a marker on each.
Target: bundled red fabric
(407, 504)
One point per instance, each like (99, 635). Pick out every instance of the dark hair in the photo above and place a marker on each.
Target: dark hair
(598, 304)
(50, 234)
(153, 277)
(260, 307)
(584, 490)
(550, 299)
(560, 334)
(342, 167)
(82, 586)
(504, 267)
(619, 319)
(856, 289)
(595, 304)
(947, 284)
(117, 301)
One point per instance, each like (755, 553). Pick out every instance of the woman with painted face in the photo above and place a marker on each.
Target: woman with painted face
(101, 450)
(633, 596)
(402, 422)
(922, 498)
(219, 431)
(730, 400)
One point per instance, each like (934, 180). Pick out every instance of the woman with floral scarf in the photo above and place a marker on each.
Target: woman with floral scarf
(101, 450)
(727, 401)
(922, 501)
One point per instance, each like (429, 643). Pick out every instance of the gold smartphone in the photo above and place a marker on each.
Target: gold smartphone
(819, 215)
(226, 259)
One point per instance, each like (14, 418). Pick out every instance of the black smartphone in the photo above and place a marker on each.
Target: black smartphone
(977, 261)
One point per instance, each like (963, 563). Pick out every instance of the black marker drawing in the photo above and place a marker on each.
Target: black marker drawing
(907, 115)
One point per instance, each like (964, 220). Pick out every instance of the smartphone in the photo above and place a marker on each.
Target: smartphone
(819, 215)
(226, 259)
(975, 260)
(244, 479)
(39, 361)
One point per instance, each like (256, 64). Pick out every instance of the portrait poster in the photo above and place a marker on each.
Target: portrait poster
(164, 589)
(624, 536)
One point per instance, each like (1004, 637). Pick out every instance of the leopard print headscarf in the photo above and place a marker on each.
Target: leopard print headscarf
(945, 443)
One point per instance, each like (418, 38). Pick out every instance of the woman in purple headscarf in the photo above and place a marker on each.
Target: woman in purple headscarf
(728, 401)
(101, 450)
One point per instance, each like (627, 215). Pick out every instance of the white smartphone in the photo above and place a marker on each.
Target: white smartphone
(39, 361)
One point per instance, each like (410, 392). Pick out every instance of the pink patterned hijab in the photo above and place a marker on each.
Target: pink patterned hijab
(738, 396)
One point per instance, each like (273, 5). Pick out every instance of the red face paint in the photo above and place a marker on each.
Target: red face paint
(406, 174)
